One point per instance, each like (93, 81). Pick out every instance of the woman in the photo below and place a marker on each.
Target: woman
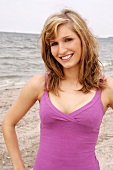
(73, 98)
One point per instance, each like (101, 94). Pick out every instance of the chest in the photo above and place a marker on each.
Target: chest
(70, 101)
(53, 112)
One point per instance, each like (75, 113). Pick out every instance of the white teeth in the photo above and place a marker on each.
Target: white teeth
(66, 57)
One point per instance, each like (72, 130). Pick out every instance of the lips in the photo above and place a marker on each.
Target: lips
(67, 57)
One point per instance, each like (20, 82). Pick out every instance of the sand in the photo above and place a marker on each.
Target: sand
(28, 131)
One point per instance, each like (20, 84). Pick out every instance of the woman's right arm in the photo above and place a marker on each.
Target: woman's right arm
(28, 96)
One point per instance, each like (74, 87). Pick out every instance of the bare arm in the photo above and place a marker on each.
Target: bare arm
(110, 91)
(28, 96)
(110, 83)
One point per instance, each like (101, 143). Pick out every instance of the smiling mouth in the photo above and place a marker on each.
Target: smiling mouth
(65, 58)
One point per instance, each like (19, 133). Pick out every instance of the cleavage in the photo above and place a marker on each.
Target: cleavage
(68, 102)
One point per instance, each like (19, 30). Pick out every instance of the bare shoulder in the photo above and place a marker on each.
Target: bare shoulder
(37, 81)
(109, 81)
(35, 86)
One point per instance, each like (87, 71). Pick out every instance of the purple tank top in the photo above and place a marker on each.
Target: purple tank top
(67, 141)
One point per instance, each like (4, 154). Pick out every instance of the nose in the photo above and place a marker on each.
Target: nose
(62, 48)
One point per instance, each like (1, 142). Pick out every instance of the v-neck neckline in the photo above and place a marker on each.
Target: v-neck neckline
(82, 108)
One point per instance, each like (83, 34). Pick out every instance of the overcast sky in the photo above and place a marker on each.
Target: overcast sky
(28, 16)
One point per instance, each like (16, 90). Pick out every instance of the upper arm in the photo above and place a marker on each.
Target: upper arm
(28, 96)
(110, 91)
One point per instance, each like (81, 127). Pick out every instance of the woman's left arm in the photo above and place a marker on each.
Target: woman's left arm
(110, 91)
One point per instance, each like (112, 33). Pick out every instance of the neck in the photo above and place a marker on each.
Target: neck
(71, 78)
(71, 74)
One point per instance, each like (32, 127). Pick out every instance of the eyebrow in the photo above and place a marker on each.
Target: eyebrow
(62, 38)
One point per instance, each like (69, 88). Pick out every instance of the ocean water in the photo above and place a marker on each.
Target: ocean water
(20, 58)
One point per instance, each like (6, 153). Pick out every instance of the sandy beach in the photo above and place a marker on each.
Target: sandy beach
(28, 131)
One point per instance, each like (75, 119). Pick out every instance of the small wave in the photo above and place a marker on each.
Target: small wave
(107, 64)
(10, 76)
(7, 57)
(9, 84)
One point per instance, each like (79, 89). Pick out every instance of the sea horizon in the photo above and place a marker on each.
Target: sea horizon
(17, 32)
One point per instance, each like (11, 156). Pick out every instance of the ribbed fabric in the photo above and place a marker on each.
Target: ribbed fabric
(67, 141)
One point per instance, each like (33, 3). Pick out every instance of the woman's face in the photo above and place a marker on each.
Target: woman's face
(66, 47)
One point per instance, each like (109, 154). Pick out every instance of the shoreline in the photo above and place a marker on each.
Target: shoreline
(28, 132)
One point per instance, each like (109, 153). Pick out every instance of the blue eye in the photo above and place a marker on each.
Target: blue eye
(68, 39)
(53, 44)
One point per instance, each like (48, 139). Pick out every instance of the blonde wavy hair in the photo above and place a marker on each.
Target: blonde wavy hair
(90, 67)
